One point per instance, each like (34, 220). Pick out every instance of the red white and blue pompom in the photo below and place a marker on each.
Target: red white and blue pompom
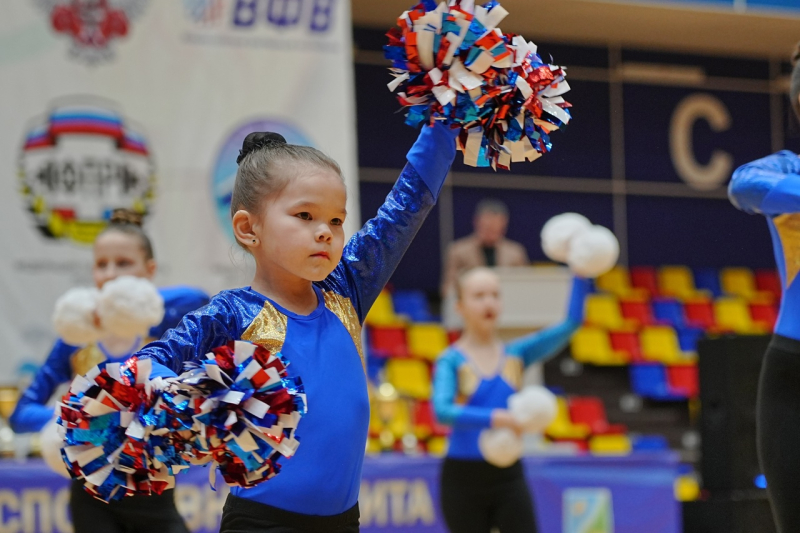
(242, 408)
(452, 63)
(237, 409)
(107, 420)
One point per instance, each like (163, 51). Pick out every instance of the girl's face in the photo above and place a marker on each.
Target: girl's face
(480, 304)
(120, 254)
(299, 232)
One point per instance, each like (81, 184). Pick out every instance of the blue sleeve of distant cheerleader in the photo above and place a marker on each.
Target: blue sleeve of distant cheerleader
(178, 300)
(549, 341)
(768, 186)
(445, 389)
(31, 414)
(372, 254)
(197, 334)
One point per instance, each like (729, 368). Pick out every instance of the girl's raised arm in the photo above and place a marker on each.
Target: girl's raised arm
(769, 186)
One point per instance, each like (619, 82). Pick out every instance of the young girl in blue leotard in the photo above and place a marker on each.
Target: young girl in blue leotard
(472, 383)
(771, 187)
(308, 299)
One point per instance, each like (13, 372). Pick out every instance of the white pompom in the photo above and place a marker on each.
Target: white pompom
(74, 318)
(51, 440)
(500, 447)
(128, 307)
(593, 252)
(533, 408)
(559, 231)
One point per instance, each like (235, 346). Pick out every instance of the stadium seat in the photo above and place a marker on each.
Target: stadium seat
(649, 443)
(627, 343)
(590, 410)
(592, 345)
(700, 313)
(682, 380)
(387, 341)
(650, 381)
(644, 277)
(707, 279)
(733, 314)
(603, 310)
(637, 311)
(669, 311)
(676, 281)
(610, 445)
(413, 304)
(660, 344)
(410, 377)
(739, 281)
(688, 337)
(427, 340)
(616, 281)
(769, 281)
(764, 315)
(382, 312)
(562, 427)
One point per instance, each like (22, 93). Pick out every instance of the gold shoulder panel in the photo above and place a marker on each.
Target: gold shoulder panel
(343, 309)
(468, 380)
(268, 329)
(788, 227)
(512, 372)
(86, 358)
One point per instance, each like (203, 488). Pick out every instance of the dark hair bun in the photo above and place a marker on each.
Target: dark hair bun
(126, 216)
(257, 140)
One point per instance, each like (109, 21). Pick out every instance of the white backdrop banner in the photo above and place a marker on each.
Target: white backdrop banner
(144, 104)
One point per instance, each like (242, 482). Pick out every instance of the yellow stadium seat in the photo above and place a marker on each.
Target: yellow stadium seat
(610, 445)
(740, 281)
(562, 427)
(437, 446)
(732, 313)
(603, 310)
(617, 281)
(410, 377)
(427, 340)
(592, 345)
(382, 312)
(660, 343)
(676, 281)
(687, 489)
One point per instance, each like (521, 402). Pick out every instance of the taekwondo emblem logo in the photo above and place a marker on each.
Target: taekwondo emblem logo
(224, 174)
(79, 161)
(92, 25)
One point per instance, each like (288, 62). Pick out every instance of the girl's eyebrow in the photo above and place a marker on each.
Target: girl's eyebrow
(307, 203)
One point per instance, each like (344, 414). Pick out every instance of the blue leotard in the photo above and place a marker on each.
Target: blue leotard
(465, 400)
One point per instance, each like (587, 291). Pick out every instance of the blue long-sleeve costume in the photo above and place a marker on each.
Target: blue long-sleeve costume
(464, 399)
(771, 187)
(324, 347)
(65, 361)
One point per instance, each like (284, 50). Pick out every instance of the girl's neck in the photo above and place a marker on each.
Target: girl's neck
(479, 338)
(290, 292)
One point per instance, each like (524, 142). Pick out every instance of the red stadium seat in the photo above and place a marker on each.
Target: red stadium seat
(769, 281)
(700, 313)
(644, 277)
(589, 410)
(682, 380)
(637, 310)
(388, 341)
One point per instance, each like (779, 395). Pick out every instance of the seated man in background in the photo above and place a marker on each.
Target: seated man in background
(486, 246)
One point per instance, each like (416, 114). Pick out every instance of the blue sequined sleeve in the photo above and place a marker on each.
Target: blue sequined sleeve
(768, 186)
(197, 334)
(445, 389)
(372, 254)
(549, 341)
(31, 414)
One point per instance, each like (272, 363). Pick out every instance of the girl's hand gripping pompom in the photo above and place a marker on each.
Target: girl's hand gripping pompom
(534, 408)
(501, 447)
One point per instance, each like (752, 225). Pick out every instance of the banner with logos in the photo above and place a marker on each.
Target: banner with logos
(144, 104)
(401, 495)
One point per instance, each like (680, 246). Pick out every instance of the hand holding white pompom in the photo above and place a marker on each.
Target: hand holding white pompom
(51, 440)
(74, 316)
(501, 447)
(129, 306)
(588, 250)
(534, 408)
